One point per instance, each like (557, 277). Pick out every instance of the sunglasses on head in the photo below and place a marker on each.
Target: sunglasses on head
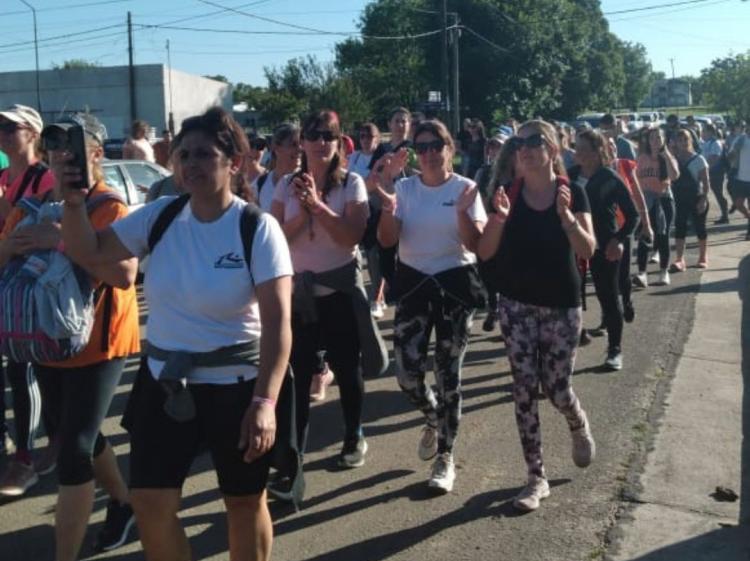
(424, 147)
(314, 135)
(533, 141)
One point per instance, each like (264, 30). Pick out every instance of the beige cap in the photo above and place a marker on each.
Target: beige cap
(23, 115)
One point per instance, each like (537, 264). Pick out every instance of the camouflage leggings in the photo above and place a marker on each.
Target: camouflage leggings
(415, 319)
(541, 344)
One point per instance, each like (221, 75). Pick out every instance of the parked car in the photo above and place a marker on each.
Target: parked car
(632, 121)
(132, 178)
(113, 148)
(592, 119)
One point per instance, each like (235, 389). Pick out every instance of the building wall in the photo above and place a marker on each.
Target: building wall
(104, 91)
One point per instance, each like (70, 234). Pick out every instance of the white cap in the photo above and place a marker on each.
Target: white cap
(23, 115)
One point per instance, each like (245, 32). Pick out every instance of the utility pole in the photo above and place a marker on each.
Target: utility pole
(671, 61)
(455, 101)
(36, 56)
(444, 76)
(170, 122)
(131, 71)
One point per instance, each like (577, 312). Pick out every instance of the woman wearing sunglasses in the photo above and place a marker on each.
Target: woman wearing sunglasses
(20, 128)
(436, 218)
(77, 392)
(254, 159)
(540, 225)
(323, 212)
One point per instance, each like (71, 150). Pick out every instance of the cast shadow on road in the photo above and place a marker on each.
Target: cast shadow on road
(730, 543)
(496, 504)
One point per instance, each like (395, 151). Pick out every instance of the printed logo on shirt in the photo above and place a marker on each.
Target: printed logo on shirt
(229, 261)
(449, 203)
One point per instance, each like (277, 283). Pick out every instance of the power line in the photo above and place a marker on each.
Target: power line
(64, 36)
(654, 7)
(263, 18)
(57, 8)
(307, 33)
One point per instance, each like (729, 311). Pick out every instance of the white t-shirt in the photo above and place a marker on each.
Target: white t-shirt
(743, 171)
(696, 165)
(430, 240)
(711, 147)
(359, 163)
(198, 287)
(267, 191)
(313, 249)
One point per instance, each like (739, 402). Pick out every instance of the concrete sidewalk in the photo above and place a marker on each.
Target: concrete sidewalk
(699, 441)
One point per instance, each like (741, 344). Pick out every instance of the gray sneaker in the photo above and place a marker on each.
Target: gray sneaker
(613, 361)
(443, 473)
(428, 443)
(17, 479)
(353, 453)
(530, 496)
(584, 447)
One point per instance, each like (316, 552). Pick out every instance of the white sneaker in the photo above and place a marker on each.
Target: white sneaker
(641, 280)
(664, 279)
(530, 496)
(654, 258)
(584, 447)
(428, 443)
(443, 473)
(377, 310)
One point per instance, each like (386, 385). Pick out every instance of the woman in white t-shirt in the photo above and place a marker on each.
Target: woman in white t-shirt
(285, 159)
(323, 211)
(436, 218)
(691, 200)
(205, 308)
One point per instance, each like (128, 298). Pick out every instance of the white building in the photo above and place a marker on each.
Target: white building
(105, 92)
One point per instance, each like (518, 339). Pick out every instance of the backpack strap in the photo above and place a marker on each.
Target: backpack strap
(248, 226)
(165, 218)
(33, 173)
(262, 180)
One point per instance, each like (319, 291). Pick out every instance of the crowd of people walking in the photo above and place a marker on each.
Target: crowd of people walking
(257, 299)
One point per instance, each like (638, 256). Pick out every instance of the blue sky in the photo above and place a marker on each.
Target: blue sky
(693, 35)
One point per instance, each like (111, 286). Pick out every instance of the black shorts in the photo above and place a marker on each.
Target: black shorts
(162, 449)
(741, 189)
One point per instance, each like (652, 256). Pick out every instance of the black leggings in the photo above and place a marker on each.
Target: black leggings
(606, 282)
(78, 400)
(27, 403)
(687, 209)
(626, 283)
(661, 241)
(717, 186)
(335, 332)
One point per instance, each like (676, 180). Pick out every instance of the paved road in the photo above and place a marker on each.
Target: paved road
(383, 510)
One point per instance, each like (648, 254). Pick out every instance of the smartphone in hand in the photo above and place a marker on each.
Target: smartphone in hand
(77, 146)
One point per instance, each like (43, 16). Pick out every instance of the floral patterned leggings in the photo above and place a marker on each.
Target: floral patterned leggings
(415, 319)
(541, 344)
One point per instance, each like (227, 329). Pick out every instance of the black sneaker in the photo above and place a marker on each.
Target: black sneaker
(489, 323)
(722, 220)
(585, 338)
(353, 452)
(599, 330)
(628, 311)
(117, 525)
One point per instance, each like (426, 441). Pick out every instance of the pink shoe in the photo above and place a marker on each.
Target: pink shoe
(319, 384)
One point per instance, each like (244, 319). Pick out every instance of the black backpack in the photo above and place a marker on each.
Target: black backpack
(34, 173)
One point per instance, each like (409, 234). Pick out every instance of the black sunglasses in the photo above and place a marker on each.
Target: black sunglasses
(315, 135)
(258, 144)
(533, 141)
(9, 127)
(434, 145)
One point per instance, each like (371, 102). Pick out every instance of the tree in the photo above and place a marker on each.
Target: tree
(217, 77)
(726, 82)
(638, 73)
(74, 63)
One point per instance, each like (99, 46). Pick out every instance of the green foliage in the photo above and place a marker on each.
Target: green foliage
(638, 74)
(217, 77)
(74, 63)
(725, 84)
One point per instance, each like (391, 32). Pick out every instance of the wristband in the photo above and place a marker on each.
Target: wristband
(60, 246)
(264, 401)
